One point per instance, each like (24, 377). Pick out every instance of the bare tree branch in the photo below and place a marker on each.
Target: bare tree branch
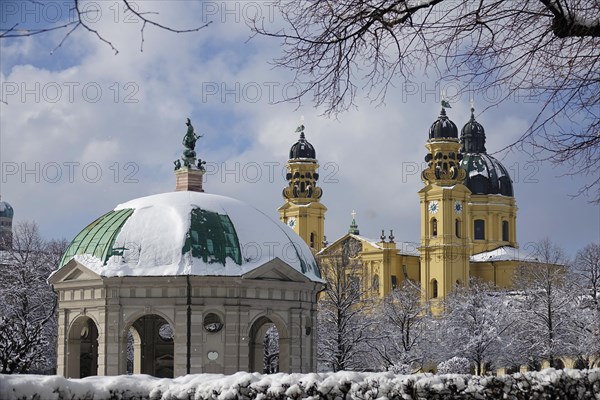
(548, 50)
(80, 21)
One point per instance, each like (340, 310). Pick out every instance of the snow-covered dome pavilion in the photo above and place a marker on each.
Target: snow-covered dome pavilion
(186, 282)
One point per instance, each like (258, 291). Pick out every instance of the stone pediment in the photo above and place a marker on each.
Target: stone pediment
(276, 270)
(354, 244)
(73, 272)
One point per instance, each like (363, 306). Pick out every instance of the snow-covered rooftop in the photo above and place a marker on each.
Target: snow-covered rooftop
(505, 253)
(175, 233)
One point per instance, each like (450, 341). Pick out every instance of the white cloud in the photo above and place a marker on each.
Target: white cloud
(370, 158)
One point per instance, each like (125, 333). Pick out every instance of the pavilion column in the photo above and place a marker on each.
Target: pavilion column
(109, 342)
(61, 351)
(180, 342)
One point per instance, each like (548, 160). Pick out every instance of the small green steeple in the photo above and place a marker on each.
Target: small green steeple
(353, 226)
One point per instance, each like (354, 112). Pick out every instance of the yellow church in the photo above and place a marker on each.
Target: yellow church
(468, 217)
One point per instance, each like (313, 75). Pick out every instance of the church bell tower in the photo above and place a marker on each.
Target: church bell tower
(303, 211)
(445, 213)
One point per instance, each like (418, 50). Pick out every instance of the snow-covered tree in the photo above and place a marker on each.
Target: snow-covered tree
(547, 307)
(587, 270)
(587, 265)
(344, 316)
(455, 365)
(586, 345)
(27, 302)
(271, 355)
(474, 325)
(403, 319)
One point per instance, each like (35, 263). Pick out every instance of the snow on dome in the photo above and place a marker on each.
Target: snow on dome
(486, 175)
(187, 233)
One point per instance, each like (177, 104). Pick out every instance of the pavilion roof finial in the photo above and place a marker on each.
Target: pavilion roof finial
(189, 175)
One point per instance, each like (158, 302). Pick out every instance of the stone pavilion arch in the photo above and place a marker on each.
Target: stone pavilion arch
(82, 348)
(149, 340)
(256, 343)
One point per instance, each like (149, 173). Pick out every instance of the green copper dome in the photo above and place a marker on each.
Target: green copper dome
(97, 238)
(187, 233)
(211, 237)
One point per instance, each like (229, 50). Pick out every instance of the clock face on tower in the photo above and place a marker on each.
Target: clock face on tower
(291, 222)
(434, 206)
(457, 207)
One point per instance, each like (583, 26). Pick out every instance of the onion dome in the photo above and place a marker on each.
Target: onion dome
(302, 148)
(485, 174)
(443, 127)
(472, 138)
(187, 233)
(6, 210)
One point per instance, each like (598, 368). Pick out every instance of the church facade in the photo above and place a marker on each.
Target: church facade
(468, 218)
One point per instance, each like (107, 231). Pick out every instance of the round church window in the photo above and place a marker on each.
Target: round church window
(212, 323)
(165, 332)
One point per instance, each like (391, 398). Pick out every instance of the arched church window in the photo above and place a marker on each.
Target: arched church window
(505, 231)
(479, 229)
(434, 288)
(457, 228)
(312, 240)
(434, 227)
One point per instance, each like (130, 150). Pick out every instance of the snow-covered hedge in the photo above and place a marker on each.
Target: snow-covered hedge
(547, 384)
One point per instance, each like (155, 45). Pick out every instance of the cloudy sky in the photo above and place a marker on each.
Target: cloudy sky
(83, 129)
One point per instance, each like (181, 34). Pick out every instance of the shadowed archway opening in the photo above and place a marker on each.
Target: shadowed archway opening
(82, 348)
(271, 351)
(150, 347)
(269, 344)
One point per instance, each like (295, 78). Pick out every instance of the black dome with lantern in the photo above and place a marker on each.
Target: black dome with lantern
(443, 127)
(302, 148)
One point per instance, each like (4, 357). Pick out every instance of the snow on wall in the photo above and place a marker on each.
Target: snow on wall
(546, 384)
